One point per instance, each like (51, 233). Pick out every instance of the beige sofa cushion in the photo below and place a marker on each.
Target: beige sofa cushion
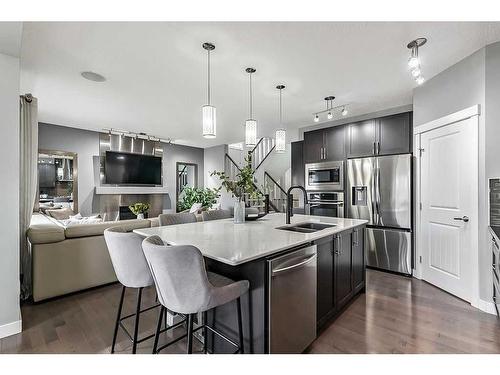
(45, 233)
(97, 229)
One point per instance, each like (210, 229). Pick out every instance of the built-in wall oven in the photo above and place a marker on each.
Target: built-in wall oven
(325, 176)
(326, 204)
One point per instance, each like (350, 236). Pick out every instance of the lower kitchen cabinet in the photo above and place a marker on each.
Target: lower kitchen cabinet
(358, 259)
(341, 272)
(343, 269)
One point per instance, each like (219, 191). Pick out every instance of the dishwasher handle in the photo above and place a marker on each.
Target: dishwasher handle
(293, 266)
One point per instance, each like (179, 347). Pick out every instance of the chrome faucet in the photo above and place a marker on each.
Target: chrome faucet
(289, 201)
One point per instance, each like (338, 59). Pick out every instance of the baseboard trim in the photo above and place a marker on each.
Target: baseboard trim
(486, 306)
(10, 329)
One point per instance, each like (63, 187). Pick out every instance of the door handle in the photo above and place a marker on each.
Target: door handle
(304, 262)
(465, 219)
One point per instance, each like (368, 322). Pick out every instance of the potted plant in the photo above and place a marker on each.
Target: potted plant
(205, 196)
(139, 209)
(242, 188)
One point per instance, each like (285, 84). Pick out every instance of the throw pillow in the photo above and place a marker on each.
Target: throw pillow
(61, 214)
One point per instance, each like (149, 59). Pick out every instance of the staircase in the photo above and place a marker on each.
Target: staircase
(261, 151)
(277, 195)
(231, 169)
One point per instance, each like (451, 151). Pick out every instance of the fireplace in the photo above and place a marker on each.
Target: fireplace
(126, 214)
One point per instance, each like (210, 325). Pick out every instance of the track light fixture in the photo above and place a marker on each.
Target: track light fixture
(330, 109)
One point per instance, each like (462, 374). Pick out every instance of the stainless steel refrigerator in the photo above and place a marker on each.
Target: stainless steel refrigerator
(379, 190)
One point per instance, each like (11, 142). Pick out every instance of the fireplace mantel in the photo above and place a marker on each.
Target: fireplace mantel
(131, 190)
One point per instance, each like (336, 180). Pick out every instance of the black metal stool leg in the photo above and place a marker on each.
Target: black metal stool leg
(240, 325)
(190, 334)
(205, 332)
(118, 315)
(137, 314)
(158, 329)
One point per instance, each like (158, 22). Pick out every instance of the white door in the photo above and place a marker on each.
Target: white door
(449, 179)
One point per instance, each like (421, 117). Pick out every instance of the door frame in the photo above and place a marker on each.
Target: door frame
(472, 113)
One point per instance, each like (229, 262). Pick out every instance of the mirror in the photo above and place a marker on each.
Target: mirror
(57, 179)
(187, 176)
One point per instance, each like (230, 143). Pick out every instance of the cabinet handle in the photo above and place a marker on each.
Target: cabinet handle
(355, 238)
(378, 148)
(374, 148)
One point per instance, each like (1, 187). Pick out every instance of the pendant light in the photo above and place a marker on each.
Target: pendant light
(280, 133)
(414, 60)
(208, 110)
(250, 124)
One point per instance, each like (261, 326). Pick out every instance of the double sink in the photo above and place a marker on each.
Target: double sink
(306, 227)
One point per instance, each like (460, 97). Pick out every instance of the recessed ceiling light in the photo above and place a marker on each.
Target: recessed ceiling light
(91, 76)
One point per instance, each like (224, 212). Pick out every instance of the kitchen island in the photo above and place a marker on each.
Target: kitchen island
(321, 268)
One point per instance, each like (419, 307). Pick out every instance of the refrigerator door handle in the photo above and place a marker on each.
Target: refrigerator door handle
(377, 189)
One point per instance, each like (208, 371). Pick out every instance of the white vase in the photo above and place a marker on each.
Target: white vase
(239, 211)
(140, 216)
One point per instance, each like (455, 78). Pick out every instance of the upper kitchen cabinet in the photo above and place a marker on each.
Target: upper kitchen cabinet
(313, 146)
(394, 134)
(324, 144)
(335, 143)
(381, 136)
(361, 138)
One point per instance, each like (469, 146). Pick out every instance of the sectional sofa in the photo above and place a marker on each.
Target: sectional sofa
(73, 258)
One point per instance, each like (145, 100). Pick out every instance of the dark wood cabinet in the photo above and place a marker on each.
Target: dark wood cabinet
(394, 134)
(358, 260)
(361, 138)
(341, 272)
(325, 292)
(343, 287)
(381, 136)
(297, 159)
(335, 143)
(313, 146)
(325, 144)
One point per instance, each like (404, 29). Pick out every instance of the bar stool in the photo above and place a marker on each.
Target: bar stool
(184, 286)
(132, 271)
(216, 215)
(172, 219)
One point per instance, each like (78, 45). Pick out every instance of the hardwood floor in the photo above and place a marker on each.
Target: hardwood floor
(396, 315)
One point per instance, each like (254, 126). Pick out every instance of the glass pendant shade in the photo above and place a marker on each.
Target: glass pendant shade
(209, 121)
(250, 133)
(280, 140)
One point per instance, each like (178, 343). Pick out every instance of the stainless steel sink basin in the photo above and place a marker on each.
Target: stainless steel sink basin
(306, 227)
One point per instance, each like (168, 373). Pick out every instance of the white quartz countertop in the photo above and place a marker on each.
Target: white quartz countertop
(235, 244)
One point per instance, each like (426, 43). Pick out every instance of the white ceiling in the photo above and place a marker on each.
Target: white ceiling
(10, 38)
(156, 72)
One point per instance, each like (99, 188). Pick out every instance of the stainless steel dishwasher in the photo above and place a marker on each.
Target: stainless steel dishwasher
(292, 300)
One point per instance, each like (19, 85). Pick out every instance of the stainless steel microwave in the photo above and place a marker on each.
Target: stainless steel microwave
(325, 176)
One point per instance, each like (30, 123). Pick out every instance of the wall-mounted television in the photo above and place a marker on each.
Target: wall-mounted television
(123, 168)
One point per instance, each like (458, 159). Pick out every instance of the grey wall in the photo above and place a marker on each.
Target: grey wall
(171, 155)
(492, 110)
(9, 220)
(458, 87)
(214, 161)
(86, 144)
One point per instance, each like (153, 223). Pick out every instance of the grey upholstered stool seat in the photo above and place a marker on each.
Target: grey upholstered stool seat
(184, 286)
(216, 215)
(172, 219)
(132, 271)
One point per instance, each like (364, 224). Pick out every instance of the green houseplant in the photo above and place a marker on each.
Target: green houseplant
(191, 195)
(139, 209)
(242, 184)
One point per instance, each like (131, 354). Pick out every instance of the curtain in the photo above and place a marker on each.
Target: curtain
(28, 161)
